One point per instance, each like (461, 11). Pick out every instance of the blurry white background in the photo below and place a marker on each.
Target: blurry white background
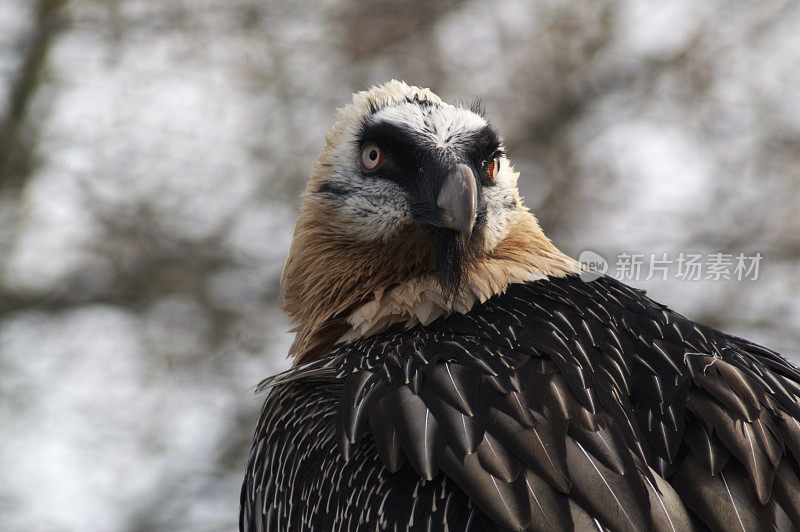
(152, 154)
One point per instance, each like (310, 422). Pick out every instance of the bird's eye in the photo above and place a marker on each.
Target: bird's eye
(493, 168)
(371, 156)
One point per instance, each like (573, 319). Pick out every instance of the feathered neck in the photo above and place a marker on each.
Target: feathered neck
(338, 289)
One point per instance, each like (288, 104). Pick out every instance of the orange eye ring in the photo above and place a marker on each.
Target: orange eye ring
(494, 167)
(371, 156)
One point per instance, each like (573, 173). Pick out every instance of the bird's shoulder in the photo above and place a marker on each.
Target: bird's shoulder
(563, 384)
(489, 399)
(563, 403)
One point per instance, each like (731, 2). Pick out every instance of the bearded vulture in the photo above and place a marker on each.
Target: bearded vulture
(455, 371)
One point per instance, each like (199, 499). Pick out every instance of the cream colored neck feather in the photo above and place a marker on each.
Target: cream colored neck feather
(339, 290)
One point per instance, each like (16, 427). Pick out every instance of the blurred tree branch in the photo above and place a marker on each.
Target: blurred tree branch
(14, 148)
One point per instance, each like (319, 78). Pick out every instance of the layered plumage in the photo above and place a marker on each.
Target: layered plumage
(544, 402)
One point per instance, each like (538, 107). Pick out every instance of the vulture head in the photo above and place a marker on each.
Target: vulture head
(412, 212)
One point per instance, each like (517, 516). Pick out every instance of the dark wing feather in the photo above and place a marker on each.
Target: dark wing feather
(560, 404)
(499, 422)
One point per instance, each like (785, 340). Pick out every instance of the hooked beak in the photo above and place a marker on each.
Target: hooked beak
(458, 199)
